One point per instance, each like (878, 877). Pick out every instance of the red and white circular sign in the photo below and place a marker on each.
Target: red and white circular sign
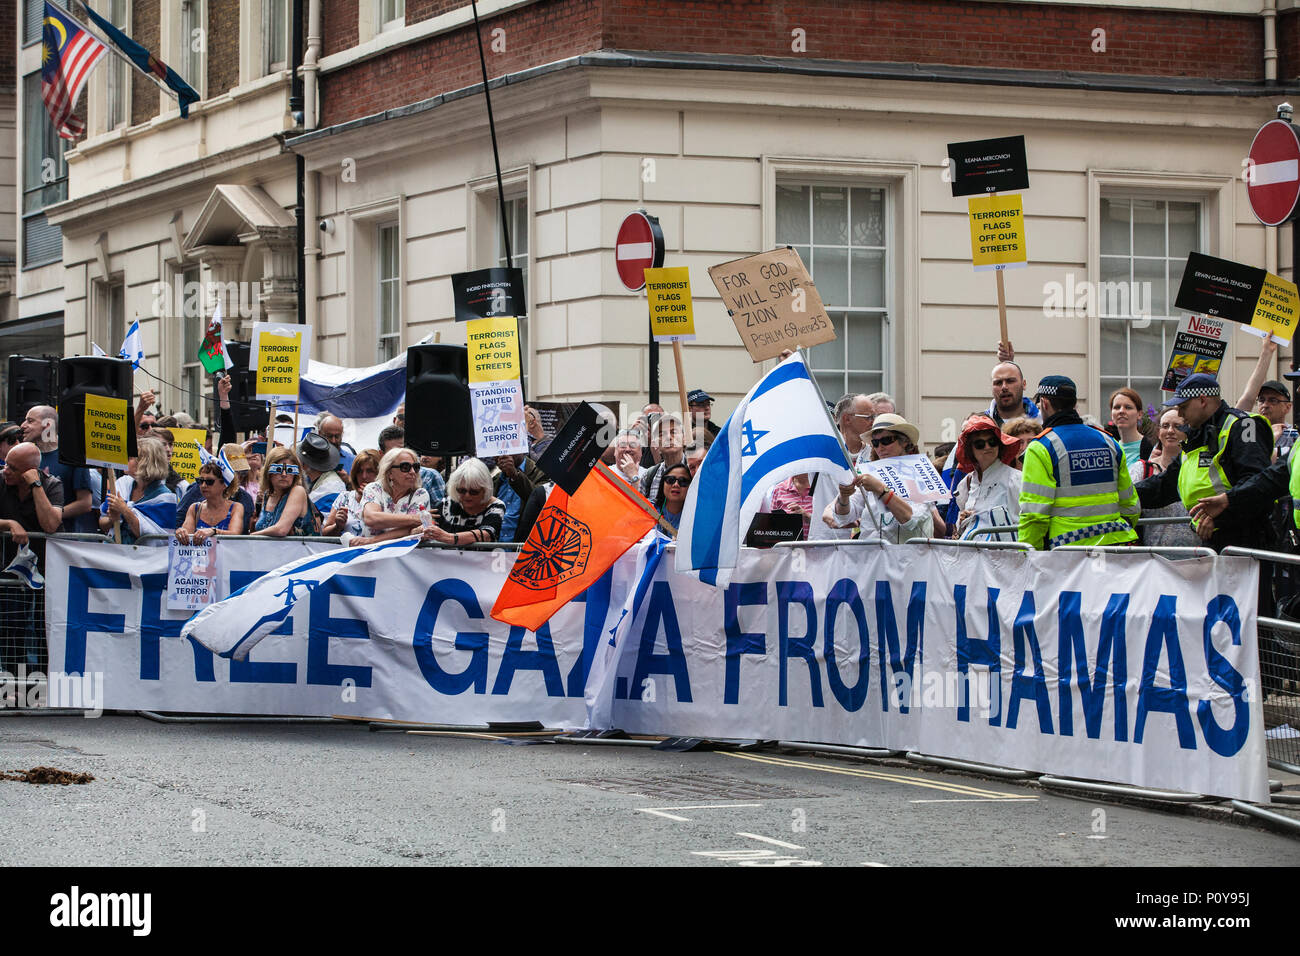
(639, 246)
(1273, 176)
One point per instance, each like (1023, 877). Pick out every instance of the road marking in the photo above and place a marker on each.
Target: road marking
(659, 811)
(755, 836)
(973, 800)
(959, 788)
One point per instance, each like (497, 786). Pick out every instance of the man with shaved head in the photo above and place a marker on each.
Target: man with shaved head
(1009, 395)
(41, 428)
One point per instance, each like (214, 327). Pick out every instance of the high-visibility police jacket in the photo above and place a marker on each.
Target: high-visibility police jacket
(1076, 490)
(1257, 493)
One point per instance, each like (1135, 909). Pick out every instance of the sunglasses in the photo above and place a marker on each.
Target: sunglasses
(406, 467)
(145, 426)
(677, 480)
(207, 481)
(883, 442)
(282, 470)
(979, 444)
(469, 491)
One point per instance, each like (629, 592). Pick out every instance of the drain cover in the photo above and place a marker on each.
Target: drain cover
(691, 787)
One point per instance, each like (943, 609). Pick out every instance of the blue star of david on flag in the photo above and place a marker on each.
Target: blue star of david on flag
(751, 439)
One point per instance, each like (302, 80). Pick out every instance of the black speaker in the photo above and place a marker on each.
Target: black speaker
(32, 381)
(90, 375)
(438, 419)
(250, 416)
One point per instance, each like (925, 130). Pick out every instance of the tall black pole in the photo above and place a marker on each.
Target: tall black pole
(300, 163)
(492, 129)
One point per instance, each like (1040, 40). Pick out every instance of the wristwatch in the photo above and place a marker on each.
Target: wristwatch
(35, 484)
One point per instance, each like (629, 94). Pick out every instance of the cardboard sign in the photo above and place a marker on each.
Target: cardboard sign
(672, 317)
(1276, 310)
(576, 449)
(493, 349)
(279, 354)
(106, 428)
(487, 292)
(1219, 287)
(185, 451)
(191, 575)
(997, 232)
(909, 476)
(773, 301)
(1198, 347)
(988, 166)
(498, 411)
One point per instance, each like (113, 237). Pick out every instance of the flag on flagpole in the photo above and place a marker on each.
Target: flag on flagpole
(213, 354)
(133, 345)
(97, 351)
(146, 62)
(573, 542)
(68, 53)
(779, 429)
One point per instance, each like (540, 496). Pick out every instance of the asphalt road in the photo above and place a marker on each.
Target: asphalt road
(341, 795)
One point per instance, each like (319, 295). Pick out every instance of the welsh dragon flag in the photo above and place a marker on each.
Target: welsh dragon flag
(213, 354)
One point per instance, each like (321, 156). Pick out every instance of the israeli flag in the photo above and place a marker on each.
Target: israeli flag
(206, 457)
(24, 565)
(133, 345)
(779, 429)
(97, 351)
(365, 398)
(224, 627)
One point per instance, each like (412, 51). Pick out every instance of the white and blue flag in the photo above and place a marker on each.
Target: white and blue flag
(365, 398)
(225, 629)
(96, 351)
(24, 565)
(133, 345)
(206, 457)
(778, 430)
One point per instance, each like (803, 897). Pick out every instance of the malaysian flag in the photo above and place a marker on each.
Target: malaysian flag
(68, 53)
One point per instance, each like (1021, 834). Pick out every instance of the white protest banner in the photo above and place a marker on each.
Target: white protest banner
(1134, 670)
(191, 575)
(909, 476)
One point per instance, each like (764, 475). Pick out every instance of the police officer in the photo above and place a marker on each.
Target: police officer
(1076, 488)
(1223, 448)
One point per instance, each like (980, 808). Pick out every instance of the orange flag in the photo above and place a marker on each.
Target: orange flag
(575, 540)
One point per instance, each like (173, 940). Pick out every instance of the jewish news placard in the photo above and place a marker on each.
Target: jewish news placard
(191, 575)
(672, 317)
(495, 391)
(279, 355)
(185, 452)
(773, 301)
(106, 430)
(1275, 310)
(1198, 347)
(997, 233)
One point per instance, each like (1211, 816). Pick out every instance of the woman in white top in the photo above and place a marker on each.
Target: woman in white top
(990, 493)
(882, 513)
(1168, 448)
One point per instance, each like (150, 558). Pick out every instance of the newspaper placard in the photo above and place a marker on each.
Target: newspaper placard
(279, 355)
(672, 317)
(191, 575)
(105, 425)
(997, 233)
(185, 452)
(1198, 347)
(498, 409)
(909, 476)
(1276, 310)
(773, 301)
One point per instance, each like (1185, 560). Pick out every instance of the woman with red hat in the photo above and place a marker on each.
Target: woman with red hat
(990, 493)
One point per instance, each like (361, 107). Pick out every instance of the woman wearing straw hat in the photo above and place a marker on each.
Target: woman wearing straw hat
(883, 514)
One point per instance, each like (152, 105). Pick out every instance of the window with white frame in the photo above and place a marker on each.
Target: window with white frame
(191, 42)
(516, 216)
(388, 273)
(110, 317)
(1144, 247)
(45, 178)
(392, 14)
(117, 107)
(840, 233)
(188, 303)
(275, 35)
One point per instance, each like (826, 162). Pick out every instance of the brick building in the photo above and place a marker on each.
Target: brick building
(741, 125)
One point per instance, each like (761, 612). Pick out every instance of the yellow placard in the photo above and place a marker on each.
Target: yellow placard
(1277, 309)
(279, 362)
(997, 232)
(493, 349)
(106, 430)
(672, 316)
(185, 451)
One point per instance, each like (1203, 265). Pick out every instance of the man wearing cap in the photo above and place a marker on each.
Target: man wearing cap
(1274, 403)
(319, 459)
(1076, 487)
(700, 404)
(1223, 448)
(238, 461)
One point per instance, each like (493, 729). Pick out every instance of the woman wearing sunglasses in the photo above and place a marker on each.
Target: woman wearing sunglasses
(282, 507)
(990, 492)
(395, 504)
(883, 514)
(216, 512)
(469, 513)
(672, 492)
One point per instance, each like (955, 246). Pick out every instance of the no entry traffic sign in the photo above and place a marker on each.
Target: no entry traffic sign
(639, 246)
(1273, 176)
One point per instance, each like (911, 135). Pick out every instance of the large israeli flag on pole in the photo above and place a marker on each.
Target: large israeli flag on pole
(779, 429)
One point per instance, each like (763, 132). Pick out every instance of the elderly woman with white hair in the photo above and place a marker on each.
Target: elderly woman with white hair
(395, 504)
(469, 513)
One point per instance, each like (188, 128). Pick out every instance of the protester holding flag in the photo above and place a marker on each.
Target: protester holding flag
(218, 512)
(142, 503)
(469, 513)
(283, 508)
(672, 493)
(887, 516)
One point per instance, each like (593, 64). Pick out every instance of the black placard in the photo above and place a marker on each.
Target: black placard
(488, 292)
(576, 448)
(988, 166)
(1219, 287)
(773, 527)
